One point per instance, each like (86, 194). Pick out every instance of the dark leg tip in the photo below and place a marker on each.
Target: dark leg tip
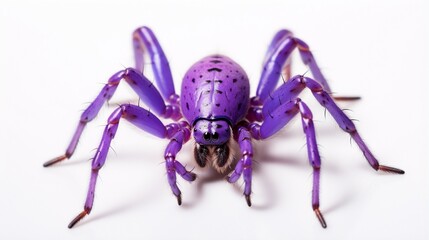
(320, 217)
(248, 201)
(78, 218)
(193, 176)
(55, 160)
(179, 199)
(391, 169)
(347, 98)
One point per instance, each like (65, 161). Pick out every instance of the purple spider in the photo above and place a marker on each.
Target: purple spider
(217, 110)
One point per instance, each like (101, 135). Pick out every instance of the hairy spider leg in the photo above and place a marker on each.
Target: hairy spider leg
(147, 121)
(292, 88)
(181, 136)
(313, 156)
(244, 166)
(276, 120)
(144, 89)
(145, 41)
(277, 60)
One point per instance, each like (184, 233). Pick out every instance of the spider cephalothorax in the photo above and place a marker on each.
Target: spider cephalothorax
(213, 143)
(215, 101)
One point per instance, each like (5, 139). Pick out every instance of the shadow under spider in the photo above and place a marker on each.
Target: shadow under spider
(209, 175)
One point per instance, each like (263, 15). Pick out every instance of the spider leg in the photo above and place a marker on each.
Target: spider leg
(140, 84)
(308, 59)
(148, 122)
(276, 121)
(244, 166)
(292, 88)
(145, 41)
(313, 157)
(177, 140)
(278, 37)
(277, 61)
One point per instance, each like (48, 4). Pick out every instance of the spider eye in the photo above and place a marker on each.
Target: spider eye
(215, 136)
(206, 136)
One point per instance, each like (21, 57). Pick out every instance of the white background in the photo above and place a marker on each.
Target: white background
(54, 58)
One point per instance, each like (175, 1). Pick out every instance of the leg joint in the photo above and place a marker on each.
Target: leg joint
(301, 44)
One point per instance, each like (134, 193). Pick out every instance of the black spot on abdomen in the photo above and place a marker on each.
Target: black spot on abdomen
(214, 69)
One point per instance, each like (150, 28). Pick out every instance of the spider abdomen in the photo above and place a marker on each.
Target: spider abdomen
(215, 87)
